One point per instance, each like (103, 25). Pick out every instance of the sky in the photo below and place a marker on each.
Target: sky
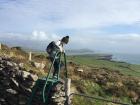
(111, 26)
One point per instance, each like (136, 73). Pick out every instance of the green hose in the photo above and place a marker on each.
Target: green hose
(44, 88)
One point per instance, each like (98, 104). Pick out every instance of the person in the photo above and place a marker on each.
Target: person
(54, 49)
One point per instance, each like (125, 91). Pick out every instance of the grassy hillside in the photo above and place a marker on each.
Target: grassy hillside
(102, 78)
(107, 79)
(93, 61)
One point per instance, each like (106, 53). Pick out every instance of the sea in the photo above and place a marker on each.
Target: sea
(123, 57)
(129, 58)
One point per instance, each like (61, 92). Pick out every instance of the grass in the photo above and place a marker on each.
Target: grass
(92, 61)
(93, 89)
(88, 86)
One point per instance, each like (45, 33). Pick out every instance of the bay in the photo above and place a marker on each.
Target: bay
(129, 58)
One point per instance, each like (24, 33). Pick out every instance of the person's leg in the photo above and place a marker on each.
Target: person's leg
(56, 67)
(56, 64)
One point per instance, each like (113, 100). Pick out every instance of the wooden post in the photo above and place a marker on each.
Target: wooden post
(11, 54)
(30, 56)
(0, 46)
(67, 91)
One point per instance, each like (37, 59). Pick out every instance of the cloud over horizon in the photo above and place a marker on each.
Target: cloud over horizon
(111, 43)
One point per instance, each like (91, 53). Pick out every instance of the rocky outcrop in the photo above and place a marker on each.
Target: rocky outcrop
(16, 85)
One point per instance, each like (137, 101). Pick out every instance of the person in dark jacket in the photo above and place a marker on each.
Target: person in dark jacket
(56, 47)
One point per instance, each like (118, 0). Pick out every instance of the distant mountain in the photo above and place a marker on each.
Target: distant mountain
(32, 49)
(79, 51)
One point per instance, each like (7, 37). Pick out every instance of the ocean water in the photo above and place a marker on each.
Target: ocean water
(129, 58)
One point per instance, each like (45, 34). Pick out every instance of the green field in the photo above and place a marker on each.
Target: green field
(93, 61)
(94, 89)
(89, 86)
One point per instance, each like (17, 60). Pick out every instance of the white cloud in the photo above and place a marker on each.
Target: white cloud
(126, 43)
(53, 14)
(35, 40)
(99, 13)
(43, 36)
(34, 36)
(40, 36)
(44, 18)
(115, 38)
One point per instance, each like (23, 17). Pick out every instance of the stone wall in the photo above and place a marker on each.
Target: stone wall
(16, 84)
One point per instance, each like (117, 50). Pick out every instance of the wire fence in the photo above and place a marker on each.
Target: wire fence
(97, 98)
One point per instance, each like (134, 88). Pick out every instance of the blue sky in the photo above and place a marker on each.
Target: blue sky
(100, 25)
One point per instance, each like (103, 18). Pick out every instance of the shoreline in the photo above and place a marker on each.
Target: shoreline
(118, 57)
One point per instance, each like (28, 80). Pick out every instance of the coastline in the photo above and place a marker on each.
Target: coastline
(121, 57)
(129, 58)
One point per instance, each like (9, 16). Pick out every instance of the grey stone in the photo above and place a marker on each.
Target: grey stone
(9, 63)
(2, 100)
(21, 64)
(15, 82)
(11, 91)
(39, 65)
(25, 74)
(33, 77)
